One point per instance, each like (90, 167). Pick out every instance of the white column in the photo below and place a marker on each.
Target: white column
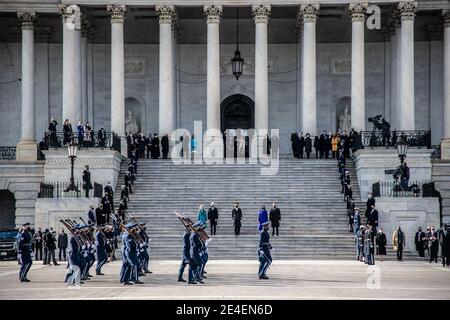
(407, 13)
(71, 63)
(299, 72)
(26, 149)
(175, 27)
(261, 15)
(358, 112)
(117, 17)
(167, 114)
(84, 78)
(398, 68)
(212, 14)
(393, 53)
(445, 150)
(309, 113)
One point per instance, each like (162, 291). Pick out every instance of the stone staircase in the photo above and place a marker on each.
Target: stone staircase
(314, 217)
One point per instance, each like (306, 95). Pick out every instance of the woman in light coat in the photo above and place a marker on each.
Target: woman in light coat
(202, 216)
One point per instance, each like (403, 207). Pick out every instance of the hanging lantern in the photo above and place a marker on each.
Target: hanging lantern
(237, 63)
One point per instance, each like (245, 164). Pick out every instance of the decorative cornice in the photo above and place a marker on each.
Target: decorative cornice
(261, 13)
(166, 14)
(212, 13)
(446, 17)
(407, 10)
(357, 10)
(116, 13)
(309, 12)
(27, 20)
(71, 14)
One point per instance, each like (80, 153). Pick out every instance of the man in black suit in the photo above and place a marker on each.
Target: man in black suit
(275, 217)
(100, 215)
(91, 215)
(444, 241)
(165, 146)
(106, 207)
(433, 244)
(236, 215)
(87, 185)
(213, 216)
(155, 147)
(373, 219)
(369, 203)
(420, 242)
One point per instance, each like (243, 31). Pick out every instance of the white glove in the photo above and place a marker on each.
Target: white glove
(83, 247)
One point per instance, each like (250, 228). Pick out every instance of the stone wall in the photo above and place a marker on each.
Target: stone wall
(23, 180)
(371, 163)
(50, 211)
(441, 177)
(409, 214)
(103, 164)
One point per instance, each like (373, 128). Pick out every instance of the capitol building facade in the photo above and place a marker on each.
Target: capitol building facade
(153, 66)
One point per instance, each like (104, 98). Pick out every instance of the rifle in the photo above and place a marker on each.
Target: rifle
(189, 225)
(70, 229)
(96, 227)
(139, 226)
(121, 224)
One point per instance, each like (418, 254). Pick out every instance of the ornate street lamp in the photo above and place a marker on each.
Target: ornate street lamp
(72, 149)
(237, 63)
(402, 148)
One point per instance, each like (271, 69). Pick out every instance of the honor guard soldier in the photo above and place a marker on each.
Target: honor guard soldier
(186, 257)
(265, 259)
(73, 276)
(124, 272)
(100, 243)
(195, 261)
(144, 257)
(24, 252)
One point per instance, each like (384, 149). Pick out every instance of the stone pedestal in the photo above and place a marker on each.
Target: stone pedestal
(441, 178)
(445, 149)
(103, 164)
(409, 214)
(371, 165)
(26, 151)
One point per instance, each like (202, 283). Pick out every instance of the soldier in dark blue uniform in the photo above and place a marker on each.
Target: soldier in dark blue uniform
(102, 257)
(24, 252)
(265, 259)
(195, 262)
(144, 257)
(74, 273)
(132, 253)
(186, 257)
(125, 271)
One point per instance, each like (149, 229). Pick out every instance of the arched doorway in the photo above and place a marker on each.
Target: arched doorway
(8, 210)
(237, 112)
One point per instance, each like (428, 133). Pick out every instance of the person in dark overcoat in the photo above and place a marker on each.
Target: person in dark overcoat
(236, 215)
(308, 145)
(155, 147)
(87, 185)
(165, 146)
(275, 218)
(381, 244)
(419, 241)
(213, 216)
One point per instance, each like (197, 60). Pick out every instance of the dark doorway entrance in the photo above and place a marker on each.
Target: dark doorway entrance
(7, 210)
(237, 112)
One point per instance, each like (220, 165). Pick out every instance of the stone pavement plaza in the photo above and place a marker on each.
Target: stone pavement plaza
(237, 280)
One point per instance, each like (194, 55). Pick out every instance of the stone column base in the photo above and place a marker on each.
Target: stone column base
(445, 149)
(26, 151)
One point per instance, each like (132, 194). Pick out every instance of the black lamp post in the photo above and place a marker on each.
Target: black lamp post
(237, 63)
(72, 149)
(402, 148)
